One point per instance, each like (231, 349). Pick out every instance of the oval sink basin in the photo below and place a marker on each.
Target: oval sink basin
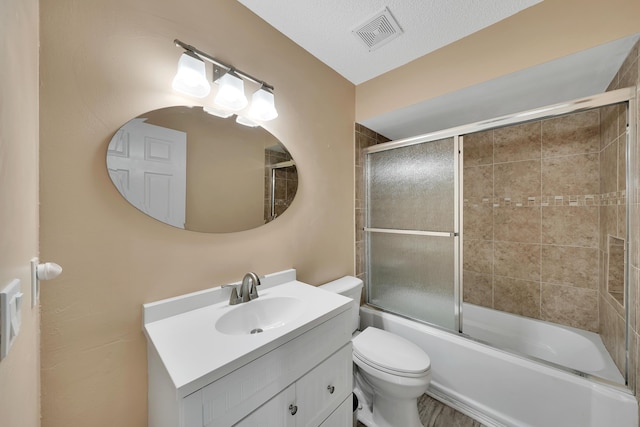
(260, 315)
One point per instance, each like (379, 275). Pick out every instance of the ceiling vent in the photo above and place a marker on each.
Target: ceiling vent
(379, 30)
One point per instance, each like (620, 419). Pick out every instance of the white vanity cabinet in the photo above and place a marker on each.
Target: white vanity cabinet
(200, 376)
(311, 399)
(302, 372)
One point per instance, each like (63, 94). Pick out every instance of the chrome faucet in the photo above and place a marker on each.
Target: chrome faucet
(246, 291)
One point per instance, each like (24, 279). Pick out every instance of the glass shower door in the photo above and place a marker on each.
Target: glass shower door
(412, 231)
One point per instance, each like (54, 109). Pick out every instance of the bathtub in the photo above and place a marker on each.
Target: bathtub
(562, 345)
(498, 388)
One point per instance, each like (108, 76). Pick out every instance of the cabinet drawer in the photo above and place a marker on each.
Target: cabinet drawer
(274, 413)
(341, 417)
(320, 392)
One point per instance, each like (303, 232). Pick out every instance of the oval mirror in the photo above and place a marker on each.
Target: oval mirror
(196, 171)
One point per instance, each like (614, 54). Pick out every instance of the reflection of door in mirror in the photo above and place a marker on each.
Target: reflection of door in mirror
(147, 163)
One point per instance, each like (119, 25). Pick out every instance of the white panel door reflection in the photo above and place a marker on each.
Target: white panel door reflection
(148, 165)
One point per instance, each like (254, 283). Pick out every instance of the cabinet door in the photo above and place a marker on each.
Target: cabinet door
(322, 390)
(341, 417)
(274, 413)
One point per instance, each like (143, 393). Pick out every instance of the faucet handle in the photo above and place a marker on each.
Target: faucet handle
(233, 298)
(255, 282)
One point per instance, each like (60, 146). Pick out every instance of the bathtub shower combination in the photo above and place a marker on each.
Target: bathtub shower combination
(520, 343)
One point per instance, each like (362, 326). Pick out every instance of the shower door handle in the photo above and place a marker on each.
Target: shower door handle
(413, 232)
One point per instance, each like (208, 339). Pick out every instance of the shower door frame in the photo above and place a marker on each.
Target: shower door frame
(620, 96)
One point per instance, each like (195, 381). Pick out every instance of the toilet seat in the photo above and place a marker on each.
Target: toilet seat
(390, 353)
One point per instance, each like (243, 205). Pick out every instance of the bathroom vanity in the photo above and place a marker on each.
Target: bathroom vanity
(283, 359)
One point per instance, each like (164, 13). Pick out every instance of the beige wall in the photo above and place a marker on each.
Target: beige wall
(547, 31)
(19, 371)
(103, 63)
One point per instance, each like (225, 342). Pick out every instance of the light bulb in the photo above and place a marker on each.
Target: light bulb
(191, 78)
(230, 93)
(263, 107)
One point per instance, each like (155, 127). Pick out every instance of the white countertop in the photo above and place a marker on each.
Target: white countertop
(195, 354)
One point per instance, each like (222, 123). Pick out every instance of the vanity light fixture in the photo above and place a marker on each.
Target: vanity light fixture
(230, 96)
(191, 78)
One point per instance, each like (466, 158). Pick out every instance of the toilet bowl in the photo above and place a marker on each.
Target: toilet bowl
(391, 373)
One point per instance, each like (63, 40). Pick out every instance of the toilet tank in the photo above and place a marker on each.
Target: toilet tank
(350, 287)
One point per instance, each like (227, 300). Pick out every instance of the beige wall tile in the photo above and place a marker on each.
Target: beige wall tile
(615, 266)
(478, 221)
(570, 265)
(622, 164)
(517, 179)
(570, 225)
(517, 296)
(609, 125)
(478, 182)
(517, 224)
(478, 256)
(609, 169)
(478, 148)
(572, 134)
(478, 288)
(514, 143)
(612, 332)
(630, 78)
(622, 221)
(517, 260)
(570, 306)
(571, 175)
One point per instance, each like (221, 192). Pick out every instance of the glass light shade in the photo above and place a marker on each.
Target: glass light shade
(230, 93)
(263, 106)
(246, 121)
(191, 78)
(215, 111)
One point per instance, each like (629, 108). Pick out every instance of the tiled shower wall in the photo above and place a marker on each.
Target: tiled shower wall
(531, 219)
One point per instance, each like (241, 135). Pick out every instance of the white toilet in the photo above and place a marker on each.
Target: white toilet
(392, 372)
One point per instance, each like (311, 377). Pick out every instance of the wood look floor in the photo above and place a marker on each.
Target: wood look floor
(436, 414)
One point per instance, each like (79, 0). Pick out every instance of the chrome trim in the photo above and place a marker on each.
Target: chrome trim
(411, 232)
(631, 193)
(594, 101)
(459, 210)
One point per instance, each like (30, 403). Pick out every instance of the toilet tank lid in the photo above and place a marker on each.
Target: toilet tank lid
(390, 352)
(342, 285)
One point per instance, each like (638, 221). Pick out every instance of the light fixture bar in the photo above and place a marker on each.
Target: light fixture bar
(221, 64)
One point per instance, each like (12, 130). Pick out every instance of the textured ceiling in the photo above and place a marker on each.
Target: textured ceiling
(324, 28)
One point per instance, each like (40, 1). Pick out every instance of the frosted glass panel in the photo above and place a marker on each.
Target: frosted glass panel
(414, 276)
(412, 188)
